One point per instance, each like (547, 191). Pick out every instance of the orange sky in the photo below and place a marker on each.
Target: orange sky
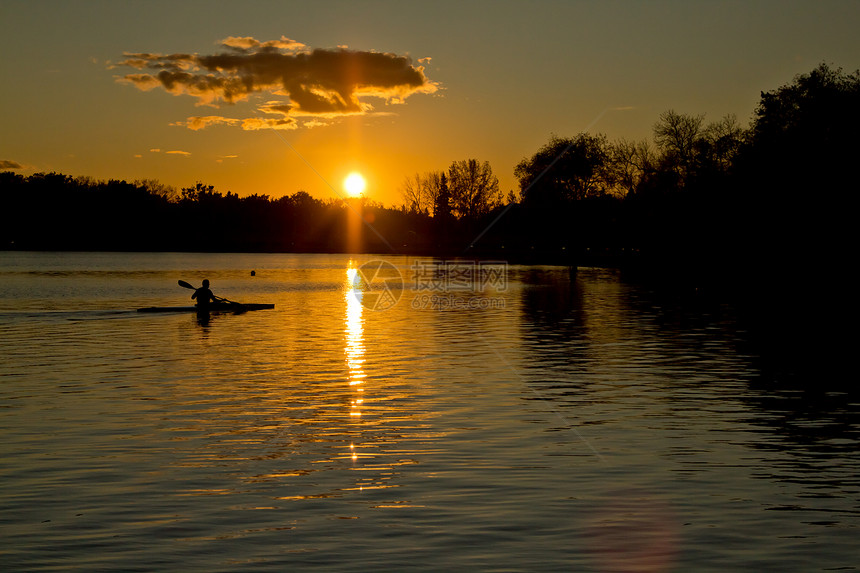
(277, 97)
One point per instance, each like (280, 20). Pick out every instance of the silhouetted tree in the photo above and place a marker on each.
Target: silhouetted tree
(795, 194)
(200, 193)
(473, 187)
(155, 187)
(804, 134)
(677, 136)
(565, 170)
(796, 170)
(442, 205)
(720, 143)
(421, 191)
(413, 194)
(630, 162)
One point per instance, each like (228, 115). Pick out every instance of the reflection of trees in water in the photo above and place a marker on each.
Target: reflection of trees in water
(551, 297)
(563, 327)
(603, 306)
(813, 420)
(807, 438)
(693, 340)
(554, 323)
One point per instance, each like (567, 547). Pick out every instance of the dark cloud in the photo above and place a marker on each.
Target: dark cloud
(9, 164)
(319, 82)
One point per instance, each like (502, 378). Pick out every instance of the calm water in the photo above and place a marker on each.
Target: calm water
(532, 421)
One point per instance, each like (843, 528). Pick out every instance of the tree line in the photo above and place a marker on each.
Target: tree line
(54, 211)
(698, 194)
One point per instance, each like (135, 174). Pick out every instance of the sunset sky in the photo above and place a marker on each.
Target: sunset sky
(277, 97)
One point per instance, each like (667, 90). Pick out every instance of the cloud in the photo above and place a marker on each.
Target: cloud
(318, 82)
(276, 107)
(256, 123)
(316, 123)
(249, 124)
(198, 122)
(248, 43)
(9, 164)
(173, 152)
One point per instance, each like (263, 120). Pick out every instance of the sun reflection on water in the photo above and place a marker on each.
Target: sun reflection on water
(354, 348)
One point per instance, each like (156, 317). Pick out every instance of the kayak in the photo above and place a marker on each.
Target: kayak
(221, 307)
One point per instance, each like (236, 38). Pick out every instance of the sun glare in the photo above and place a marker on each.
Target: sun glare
(354, 184)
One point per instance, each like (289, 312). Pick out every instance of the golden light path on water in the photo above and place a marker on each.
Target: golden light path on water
(354, 347)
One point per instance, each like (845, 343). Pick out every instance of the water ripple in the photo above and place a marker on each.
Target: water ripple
(585, 426)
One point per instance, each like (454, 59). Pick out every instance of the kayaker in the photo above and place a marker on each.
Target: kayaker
(204, 296)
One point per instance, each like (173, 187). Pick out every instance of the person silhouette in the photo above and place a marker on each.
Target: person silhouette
(204, 296)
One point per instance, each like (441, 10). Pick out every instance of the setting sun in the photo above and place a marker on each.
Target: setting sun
(354, 184)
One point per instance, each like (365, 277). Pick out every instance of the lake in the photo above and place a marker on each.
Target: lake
(402, 414)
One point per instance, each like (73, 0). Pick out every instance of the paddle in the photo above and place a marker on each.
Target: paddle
(188, 285)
